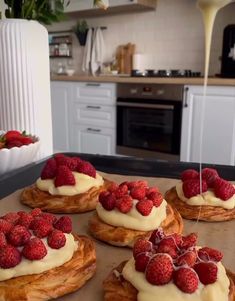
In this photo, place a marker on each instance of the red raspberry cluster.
(175, 258)
(60, 169)
(21, 235)
(210, 180)
(121, 197)
(15, 139)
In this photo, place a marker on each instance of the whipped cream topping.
(54, 258)
(133, 219)
(82, 184)
(206, 198)
(219, 290)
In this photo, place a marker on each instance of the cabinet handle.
(93, 130)
(185, 103)
(92, 85)
(93, 107)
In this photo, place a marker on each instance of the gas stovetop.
(165, 73)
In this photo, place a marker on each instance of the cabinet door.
(61, 94)
(93, 140)
(218, 143)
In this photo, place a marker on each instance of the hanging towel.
(87, 52)
(98, 50)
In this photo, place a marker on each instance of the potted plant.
(81, 29)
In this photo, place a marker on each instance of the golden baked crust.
(119, 236)
(55, 282)
(83, 202)
(207, 213)
(116, 288)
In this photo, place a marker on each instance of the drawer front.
(95, 114)
(95, 93)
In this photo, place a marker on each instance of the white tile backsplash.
(170, 37)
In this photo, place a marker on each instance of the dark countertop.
(111, 164)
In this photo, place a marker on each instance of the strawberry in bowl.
(17, 149)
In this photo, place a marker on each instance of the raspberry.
(64, 177)
(50, 218)
(124, 204)
(156, 198)
(34, 249)
(188, 258)
(186, 280)
(189, 241)
(87, 168)
(192, 188)
(138, 193)
(121, 191)
(141, 261)
(64, 224)
(144, 207)
(151, 190)
(11, 217)
(41, 227)
(223, 189)
(142, 246)
(209, 175)
(71, 163)
(157, 236)
(209, 254)
(36, 212)
(207, 272)
(49, 170)
(159, 270)
(25, 219)
(168, 250)
(5, 226)
(3, 241)
(107, 200)
(56, 239)
(19, 236)
(189, 174)
(9, 257)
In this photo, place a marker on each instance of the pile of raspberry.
(21, 235)
(175, 258)
(210, 180)
(60, 169)
(121, 197)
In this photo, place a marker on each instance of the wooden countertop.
(213, 81)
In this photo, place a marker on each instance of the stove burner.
(165, 73)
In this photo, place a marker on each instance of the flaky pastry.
(116, 288)
(83, 202)
(55, 282)
(204, 213)
(120, 236)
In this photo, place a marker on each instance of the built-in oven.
(149, 120)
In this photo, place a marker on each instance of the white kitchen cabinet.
(94, 118)
(61, 96)
(218, 129)
(93, 140)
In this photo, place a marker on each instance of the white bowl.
(17, 157)
(70, 72)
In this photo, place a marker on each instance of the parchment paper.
(218, 235)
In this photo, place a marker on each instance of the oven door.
(152, 125)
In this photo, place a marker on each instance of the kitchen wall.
(170, 37)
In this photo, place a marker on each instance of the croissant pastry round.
(204, 213)
(116, 288)
(83, 202)
(56, 282)
(120, 236)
